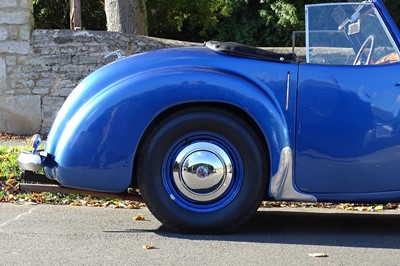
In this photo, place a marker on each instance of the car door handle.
(397, 84)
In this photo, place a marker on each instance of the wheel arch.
(220, 106)
(249, 99)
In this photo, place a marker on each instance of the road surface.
(65, 235)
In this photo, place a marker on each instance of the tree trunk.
(128, 16)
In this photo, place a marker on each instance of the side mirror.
(353, 28)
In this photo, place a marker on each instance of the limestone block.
(20, 114)
(13, 32)
(41, 91)
(8, 92)
(22, 85)
(66, 91)
(26, 4)
(25, 32)
(50, 113)
(18, 47)
(46, 125)
(8, 3)
(11, 60)
(48, 75)
(53, 101)
(21, 76)
(85, 59)
(68, 83)
(16, 17)
(3, 34)
(3, 70)
(45, 83)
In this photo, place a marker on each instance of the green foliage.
(394, 8)
(286, 13)
(54, 14)
(184, 19)
(51, 14)
(253, 22)
(260, 22)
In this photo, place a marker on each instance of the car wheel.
(202, 170)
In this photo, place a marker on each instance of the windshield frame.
(353, 40)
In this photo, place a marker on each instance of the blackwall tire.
(202, 170)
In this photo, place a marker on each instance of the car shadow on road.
(307, 228)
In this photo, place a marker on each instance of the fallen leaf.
(132, 206)
(11, 182)
(75, 203)
(361, 208)
(318, 255)
(139, 218)
(149, 247)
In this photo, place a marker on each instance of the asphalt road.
(64, 235)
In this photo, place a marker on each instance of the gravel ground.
(7, 140)
(8, 143)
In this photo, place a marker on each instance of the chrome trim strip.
(281, 185)
(307, 36)
(287, 90)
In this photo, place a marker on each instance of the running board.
(37, 178)
(59, 189)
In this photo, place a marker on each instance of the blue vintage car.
(207, 133)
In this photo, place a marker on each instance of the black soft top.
(237, 49)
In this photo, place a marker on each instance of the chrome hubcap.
(202, 172)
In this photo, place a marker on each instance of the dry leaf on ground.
(318, 255)
(149, 247)
(139, 218)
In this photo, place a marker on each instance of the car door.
(348, 129)
(348, 105)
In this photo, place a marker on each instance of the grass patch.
(8, 162)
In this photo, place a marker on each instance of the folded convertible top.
(237, 49)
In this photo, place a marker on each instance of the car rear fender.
(96, 149)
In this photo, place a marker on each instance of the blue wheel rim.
(180, 183)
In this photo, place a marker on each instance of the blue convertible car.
(206, 133)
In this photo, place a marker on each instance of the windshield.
(347, 34)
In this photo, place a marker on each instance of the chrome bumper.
(31, 161)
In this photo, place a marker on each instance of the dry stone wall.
(59, 59)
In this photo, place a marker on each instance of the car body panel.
(95, 137)
(348, 134)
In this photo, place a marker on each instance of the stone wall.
(39, 68)
(17, 114)
(59, 59)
